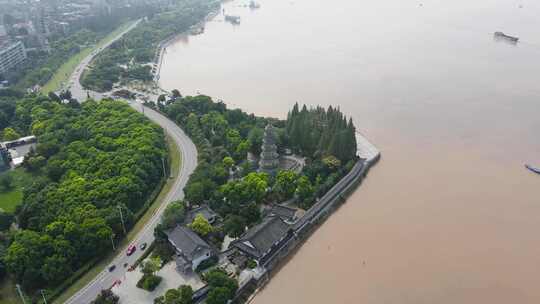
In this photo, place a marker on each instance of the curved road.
(74, 84)
(106, 279)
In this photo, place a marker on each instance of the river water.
(449, 215)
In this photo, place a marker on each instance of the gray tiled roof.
(284, 212)
(206, 212)
(259, 240)
(186, 241)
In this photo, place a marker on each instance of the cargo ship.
(501, 35)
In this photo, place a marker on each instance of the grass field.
(10, 199)
(65, 71)
(175, 158)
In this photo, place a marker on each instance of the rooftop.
(284, 212)
(205, 211)
(259, 240)
(186, 241)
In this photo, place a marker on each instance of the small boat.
(232, 19)
(533, 169)
(502, 35)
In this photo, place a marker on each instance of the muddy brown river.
(449, 215)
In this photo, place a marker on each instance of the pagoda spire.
(269, 161)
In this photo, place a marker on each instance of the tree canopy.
(201, 225)
(319, 132)
(90, 160)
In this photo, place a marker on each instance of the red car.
(131, 249)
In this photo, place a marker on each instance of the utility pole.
(43, 295)
(163, 164)
(112, 242)
(122, 219)
(19, 291)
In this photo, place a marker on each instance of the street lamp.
(122, 219)
(112, 242)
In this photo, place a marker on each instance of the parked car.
(143, 246)
(112, 268)
(131, 249)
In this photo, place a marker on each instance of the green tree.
(10, 134)
(186, 294)
(285, 184)
(5, 222)
(304, 189)
(151, 266)
(234, 226)
(195, 192)
(222, 287)
(331, 162)
(176, 94)
(182, 295)
(106, 296)
(200, 225)
(255, 137)
(228, 162)
(161, 98)
(174, 214)
(6, 182)
(218, 295)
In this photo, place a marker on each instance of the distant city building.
(269, 161)
(4, 38)
(11, 55)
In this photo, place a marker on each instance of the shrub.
(149, 282)
(213, 260)
(251, 264)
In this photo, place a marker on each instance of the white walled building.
(11, 55)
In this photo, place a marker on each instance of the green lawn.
(63, 73)
(10, 199)
(175, 159)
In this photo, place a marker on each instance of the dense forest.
(91, 160)
(128, 57)
(319, 132)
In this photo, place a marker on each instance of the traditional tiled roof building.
(262, 241)
(191, 250)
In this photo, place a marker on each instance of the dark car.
(143, 246)
(112, 268)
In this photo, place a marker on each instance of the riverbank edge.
(162, 46)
